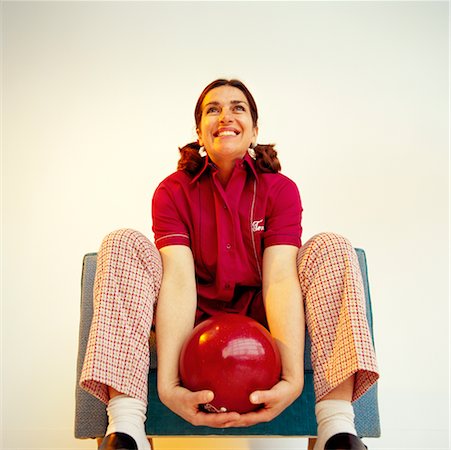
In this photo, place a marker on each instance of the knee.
(332, 243)
(126, 238)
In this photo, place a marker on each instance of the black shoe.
(345, 441)
(118, 441)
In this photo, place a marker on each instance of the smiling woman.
(229, 190)
(97, 97)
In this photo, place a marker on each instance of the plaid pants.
(126, 288)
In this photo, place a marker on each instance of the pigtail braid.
(266, 158)
(190, 159)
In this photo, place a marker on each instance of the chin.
(231, 152)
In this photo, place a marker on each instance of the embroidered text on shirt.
(256, 226)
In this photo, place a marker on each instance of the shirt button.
(228, 246)
(225, 206)
(227, 285)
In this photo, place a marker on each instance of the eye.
(212, 109)
(240, 108)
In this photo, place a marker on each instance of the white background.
(98, 96)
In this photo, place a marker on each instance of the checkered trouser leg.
(333, 293)
(126, 288)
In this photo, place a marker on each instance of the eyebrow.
(233, 102)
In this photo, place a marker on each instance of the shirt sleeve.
(167, 224)
(283, 222)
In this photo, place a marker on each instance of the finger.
(201, 397)
(259, 397)
(254, 418)
(218, 420)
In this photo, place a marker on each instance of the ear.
(254, 137)
(199, 138)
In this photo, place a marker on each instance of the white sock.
(333, 417)
(127, 415)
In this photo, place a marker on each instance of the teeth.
(226, 133)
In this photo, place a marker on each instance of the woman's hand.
(274, 401)
(186, 403)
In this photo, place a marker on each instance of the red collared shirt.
(227, 230)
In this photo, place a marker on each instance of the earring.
(251, 151)
(202, 151)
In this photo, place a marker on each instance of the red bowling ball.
(233, 356)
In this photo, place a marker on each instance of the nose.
(225, 116)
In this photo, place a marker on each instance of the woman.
(227, 226)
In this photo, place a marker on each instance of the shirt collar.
(208, 163)
(251, 163)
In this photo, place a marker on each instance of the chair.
(298, 420)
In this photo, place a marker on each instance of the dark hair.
(265, 155)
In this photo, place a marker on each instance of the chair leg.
(311, 443)
(99, 441)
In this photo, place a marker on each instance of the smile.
(225, 132)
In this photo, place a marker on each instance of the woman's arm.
(176, 311)
(285, 309)
(285, 314)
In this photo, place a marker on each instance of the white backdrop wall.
(97, 96)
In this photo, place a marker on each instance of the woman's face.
(226, 129)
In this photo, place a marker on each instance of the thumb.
(203, 396)
(258, 397)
